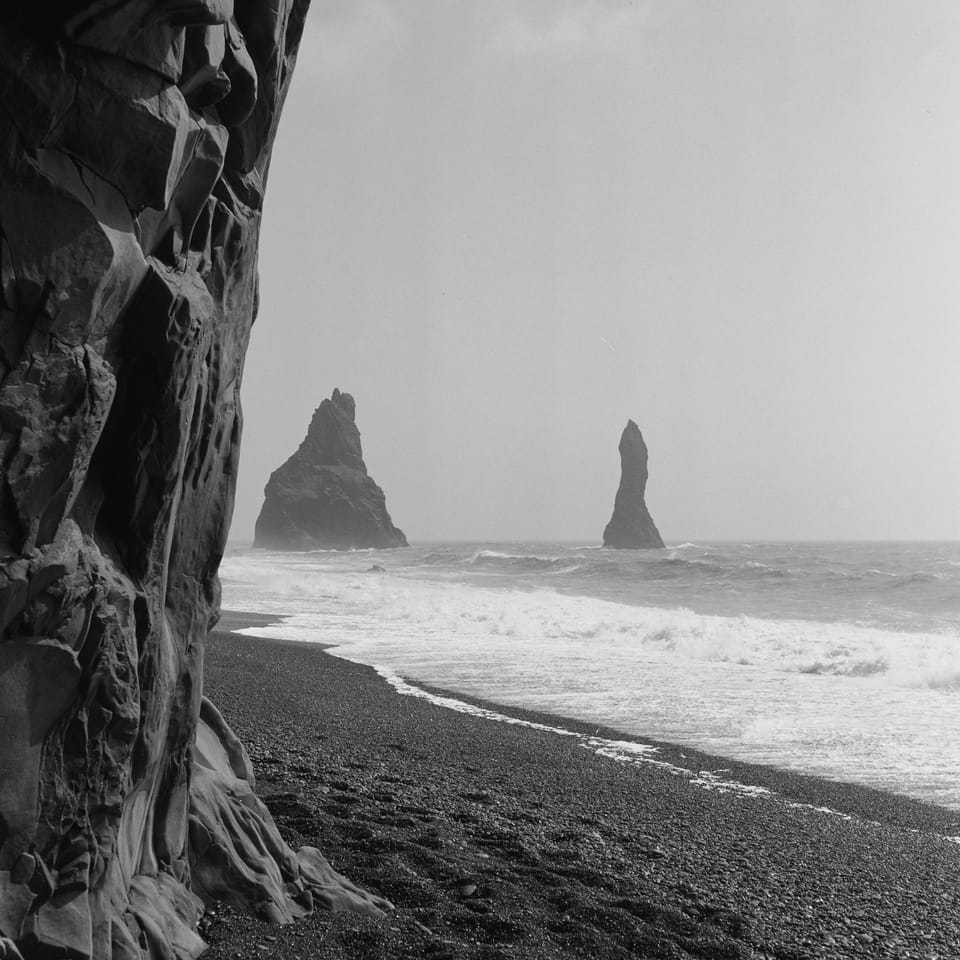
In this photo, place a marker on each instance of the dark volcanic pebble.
(497, 841)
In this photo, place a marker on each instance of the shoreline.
(497, 841)
(841, 796)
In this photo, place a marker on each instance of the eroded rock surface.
(631, 525)
(134, 142)
(323, 496)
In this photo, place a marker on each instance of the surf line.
(621, 751)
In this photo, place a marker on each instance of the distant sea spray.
(850, 680)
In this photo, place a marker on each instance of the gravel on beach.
(498, 841)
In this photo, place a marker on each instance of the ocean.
(840, 660)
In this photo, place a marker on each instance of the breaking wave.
(840, 660)
(407, 611)
(513, 561)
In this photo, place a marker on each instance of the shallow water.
(841, 660)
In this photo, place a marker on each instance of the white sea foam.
(620, 751)
(836, 699)
(414, 610)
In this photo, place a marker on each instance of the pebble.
(834, 893)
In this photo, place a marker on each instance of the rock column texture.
(134, 142)
(631, 525)
(323, 497)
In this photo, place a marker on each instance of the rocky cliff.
(134, 142)
(631, 525)
(323, 496)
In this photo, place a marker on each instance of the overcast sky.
(508, 227)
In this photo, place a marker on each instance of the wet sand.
(501, 841)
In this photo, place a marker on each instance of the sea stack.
(631, 525)
(323, 497)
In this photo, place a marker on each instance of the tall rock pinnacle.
(631, 525)
(323, 496)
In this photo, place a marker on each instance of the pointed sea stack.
(631, 525)
(323, 497)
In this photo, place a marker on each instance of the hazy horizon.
(508, 228)
(237, 542)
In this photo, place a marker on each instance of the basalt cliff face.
(323, 496)
(134, 142)
(631, 525)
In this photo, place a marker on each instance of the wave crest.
(342, 606)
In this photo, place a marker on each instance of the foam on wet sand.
(540, 837)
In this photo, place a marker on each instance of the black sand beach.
(497, 841)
